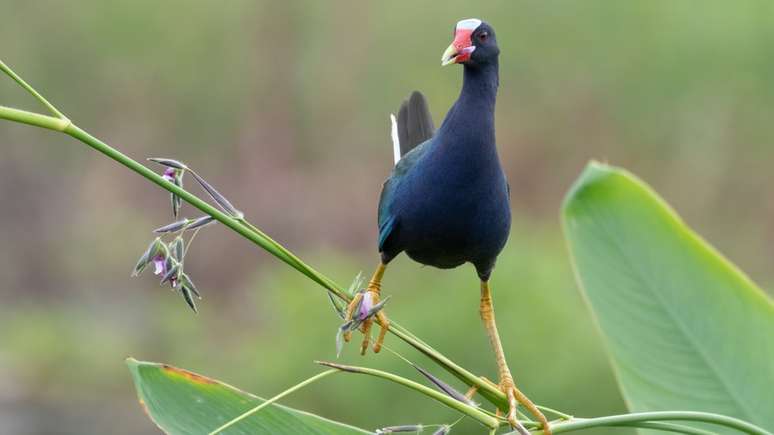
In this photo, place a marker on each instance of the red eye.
(483, 36)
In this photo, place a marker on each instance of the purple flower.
(366, 304)
(160, 264)
(170, 174)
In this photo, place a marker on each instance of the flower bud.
(169, 163)
(177, 248)
(404, 428)
(160, 264)
(187, 295)
(171, 275)
(169, 174)
(444, 387)
(221, 200)
(200, 222)
(188, 283)
(173, 227)
(146, 257)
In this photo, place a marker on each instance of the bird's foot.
(516, 397)
(365, 308)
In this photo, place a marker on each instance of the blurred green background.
(284, 106)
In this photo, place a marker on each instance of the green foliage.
(182, 402)
(686, 329)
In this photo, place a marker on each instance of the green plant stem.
(34, 119)
(455, 404)
(639, 418)
(274, 399)
(559, 414)
(6, 69)
(670, 427)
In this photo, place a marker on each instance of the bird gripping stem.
(375, 284)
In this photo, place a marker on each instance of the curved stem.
(635, 419)
(669, 427)
(455, 404)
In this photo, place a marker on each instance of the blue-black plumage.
(446, 202)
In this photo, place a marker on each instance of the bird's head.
(474, 44)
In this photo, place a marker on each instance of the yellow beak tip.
(448, 56)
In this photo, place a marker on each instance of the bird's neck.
(471, 120)
(479, 88)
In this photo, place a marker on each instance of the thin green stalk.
(670, 427)
(274, 399)
(455, 404)
(34, 119)
(636, 419)
(6, 69)
(559, 414)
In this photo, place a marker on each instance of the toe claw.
(514, 398)
(366, 336)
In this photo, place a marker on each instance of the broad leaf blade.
(182, 402)
(686, 329)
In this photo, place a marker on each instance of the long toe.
(516, 397)
(510, 393)
(384, 326)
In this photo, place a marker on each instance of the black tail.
(415, 124)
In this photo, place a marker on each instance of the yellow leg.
(506, 379)
(374, 287)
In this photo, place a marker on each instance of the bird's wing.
(411, 133)
(413, 126)
(386, 219)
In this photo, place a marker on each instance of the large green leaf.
(182, 402)
(686, 329)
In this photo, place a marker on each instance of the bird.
(447, 200)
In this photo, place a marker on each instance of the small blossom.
(366, 304)
(171, 275)
(160, 264)
(170, 174)
(154, 247)
(173, 173)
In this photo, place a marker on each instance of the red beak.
(460, 49)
